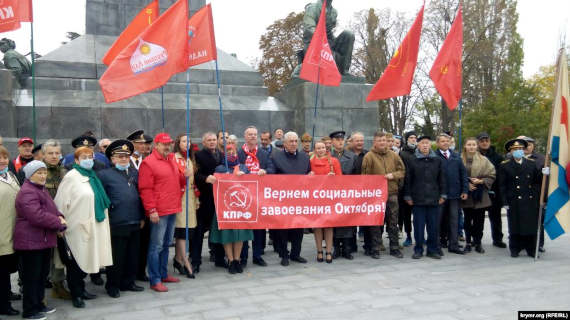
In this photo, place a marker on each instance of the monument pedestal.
(338, 108)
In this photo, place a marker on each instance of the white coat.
(89, 240)
(8, 192)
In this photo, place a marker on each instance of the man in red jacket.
(161, 186)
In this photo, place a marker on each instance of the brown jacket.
(375, 162)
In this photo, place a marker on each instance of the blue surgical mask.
(4, 171)
(518, 154)
(122, 168)
(86, 164)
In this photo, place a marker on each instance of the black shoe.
(143, 278)
(443, 245)
(467, 248)
(78, 302)
(14, 296)
(500, 244)
(178, 267)
(9, 312)
(514, 254)
(243, 263)
(97, 280)
(88, 296)
(457, 251)
(541, 249)
(417, 255)
(329, 257)
(232, 267)
(284, 261)
(133, 287)
(375, 255)
(47, 310)
(434, 256)
(189, 274)
(396, 253)
(196, 268)
(222, 264)
(320, 259)
(479, 248)
(37, 316)
(367, 252)
(114, 293)
(336, 252)
(48, 284)
(299, 259)
(260, 262)
(347, 255)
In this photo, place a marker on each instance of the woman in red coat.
(323, 164)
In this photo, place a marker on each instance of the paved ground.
(475, 286)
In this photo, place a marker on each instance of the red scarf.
(251, 162)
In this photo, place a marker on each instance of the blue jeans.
(426, 217)
(161, 234)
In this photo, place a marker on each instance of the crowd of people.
(115, 207)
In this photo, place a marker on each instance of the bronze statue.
(20, 66)
(341, 46)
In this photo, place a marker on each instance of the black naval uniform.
(519, 189)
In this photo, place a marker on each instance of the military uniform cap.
(120, 147)
(83, 141)
(515, 143)
(337, 134)
(148, 138)
(137, 136)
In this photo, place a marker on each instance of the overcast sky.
(239, 24)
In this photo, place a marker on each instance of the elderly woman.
(9, 188)
(83, 201)
(37, 223)
(481, 173)
(181, 261)
(323, 164)
(231, 239)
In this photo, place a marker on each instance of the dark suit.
(206, 162)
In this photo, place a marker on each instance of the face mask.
(395, 149)
(122, 168)
(411, 145)
(452, 147)
(86, 164)
(60, 157)
(4, 171)
(518, 154)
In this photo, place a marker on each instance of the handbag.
(64, 251)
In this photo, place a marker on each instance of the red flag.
(202, 38)
(319, 65)
(25, 11)
(9, 15)
(446, 70)
(142, 20)
(152, 58)
(397, 78)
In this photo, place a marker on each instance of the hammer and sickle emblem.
(444, 69)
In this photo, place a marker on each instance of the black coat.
(425, 181)
(456, 174)
(206, 163)
(265, 162)
(496, 160)
(122, 189)
(519, 191)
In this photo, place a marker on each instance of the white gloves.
(546, 171)
(506, 207)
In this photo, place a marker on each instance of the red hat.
(163, 138)
(25, 140)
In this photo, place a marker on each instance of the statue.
(341, 46)
(16, 62)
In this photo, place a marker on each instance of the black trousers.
(143, 249)
(198, 242)
(125, 241)
(474, 223)
(35, 269)
(519, 242)
(495, 219)
(75, 279)
(8, 265)
(405, 215)
(286, 235)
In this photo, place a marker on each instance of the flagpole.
(162, 107)
(316, 103)
(460, 124)
(221, 114)
(34, 131)
(187, 152)
(547, 157)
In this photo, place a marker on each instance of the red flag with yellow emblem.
(154, 56)
(9, 15)
(142, 20)
(397, 78)
(446, 70)
(202, 37)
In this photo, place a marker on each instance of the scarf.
(251, 162)
(102, 202)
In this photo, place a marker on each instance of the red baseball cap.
(163, 138)
(25, 140)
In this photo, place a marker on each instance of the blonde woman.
(481, 173)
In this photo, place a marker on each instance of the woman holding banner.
(231, 239)
(323, 164)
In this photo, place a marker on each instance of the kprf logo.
(239, 201)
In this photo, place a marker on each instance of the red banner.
(299, 201)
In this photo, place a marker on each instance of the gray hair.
(249, 127)
(232, 138)
(50, 143)
(442, 135)
(357, 133)
(207, 134)
(290, 135)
